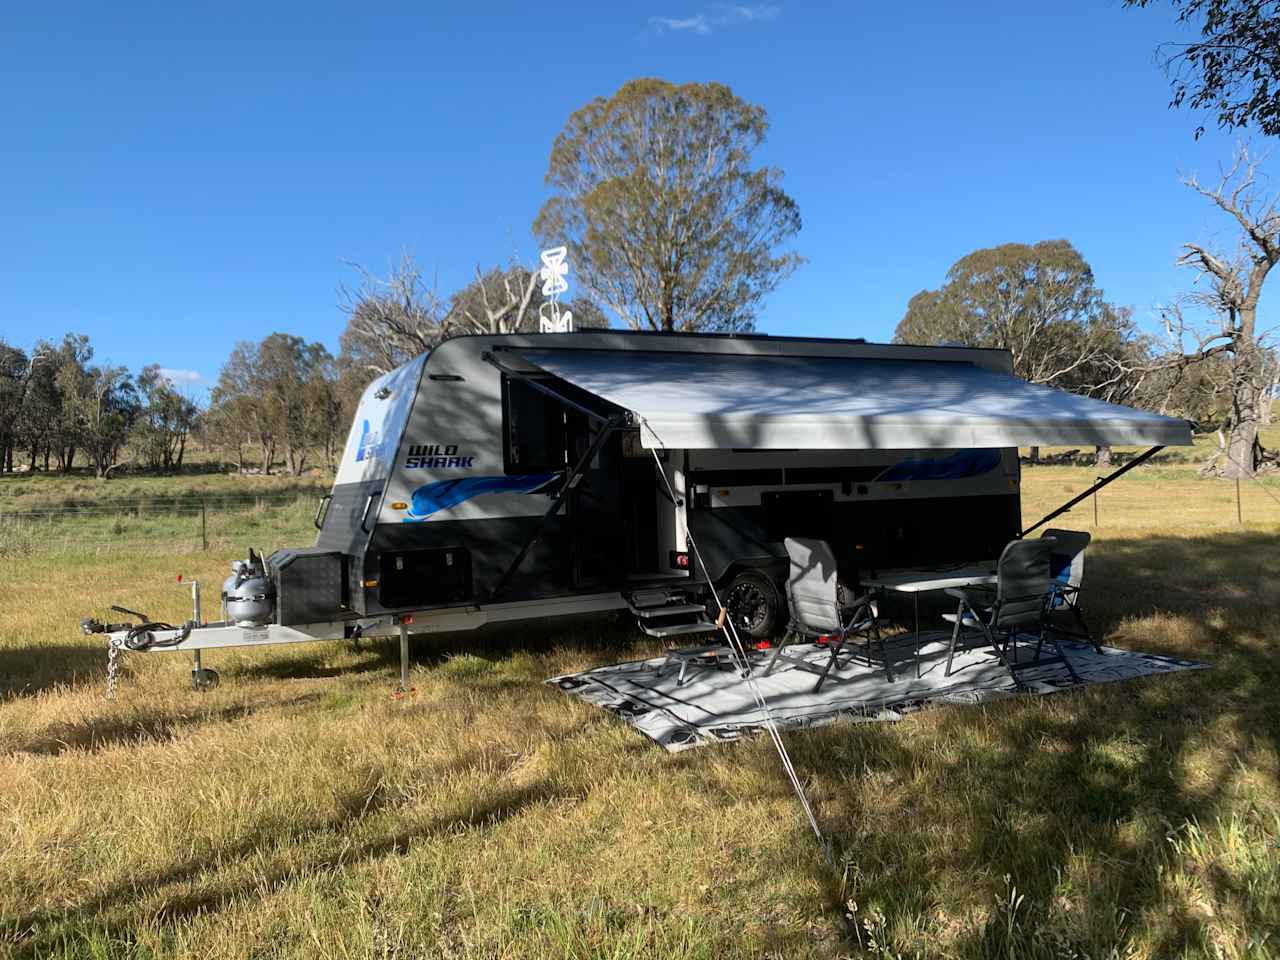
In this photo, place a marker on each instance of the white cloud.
(720, 15)
(696, 24)
(181, 378)
(760, 11)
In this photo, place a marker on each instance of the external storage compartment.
(424, 578)
(310, 585)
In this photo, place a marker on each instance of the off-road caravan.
(512, 477)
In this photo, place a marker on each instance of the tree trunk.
(1035, 455)
(46, 458)
(1102, 455)
(1239, 455)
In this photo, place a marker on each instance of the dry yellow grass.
(303, 809)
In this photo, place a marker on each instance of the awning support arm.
(540, 385)
(1116, 475)
(570, 483)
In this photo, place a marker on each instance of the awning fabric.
(723, 401)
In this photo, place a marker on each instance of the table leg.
(915, 599)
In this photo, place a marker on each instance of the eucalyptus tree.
(1233, 69)
(669, 224)
(1039, 301)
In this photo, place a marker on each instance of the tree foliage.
(101, 405)
(1234, 68)
(281, 395)
(165, 420)
(668, 224)
(1038, 301)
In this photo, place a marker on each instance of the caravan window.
(533, 429)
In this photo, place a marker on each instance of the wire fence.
(186, 521)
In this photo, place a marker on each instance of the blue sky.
(174, 179)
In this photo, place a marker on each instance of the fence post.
(204, 530)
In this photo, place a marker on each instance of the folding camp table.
(916, 581)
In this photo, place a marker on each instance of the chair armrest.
(863, 600)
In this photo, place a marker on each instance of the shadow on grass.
(602, 633)
(1074, 796)
(26, 671)
(115, 913)
(101, 733)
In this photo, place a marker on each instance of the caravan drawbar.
(525, 476)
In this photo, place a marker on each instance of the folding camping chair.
(1018, 605)
(1066, 571)
(820, 610)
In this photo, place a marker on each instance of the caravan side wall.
(446, 512)
(881, 508)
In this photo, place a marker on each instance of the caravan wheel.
(754, 604)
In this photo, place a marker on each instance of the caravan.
(525, 476)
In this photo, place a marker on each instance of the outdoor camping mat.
(715, 704)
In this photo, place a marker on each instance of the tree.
(1234, 287)
(280, 394)
(165, 420)
(395, 318)
(1234, 68)
(40, 418)
(391, 319)
(102, 404)
(667, 223)
(71, 362)
(1038, 301)
(235, 403)
(15, 371)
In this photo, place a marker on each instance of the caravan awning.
(722, 401)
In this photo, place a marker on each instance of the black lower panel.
(424, 576)
(489, 545)
(866, 534)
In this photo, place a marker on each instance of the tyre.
(754, 603)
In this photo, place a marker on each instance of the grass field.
(304, 808)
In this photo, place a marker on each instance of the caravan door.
(597, 532)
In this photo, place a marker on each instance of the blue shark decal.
(363, 446)
(961, 464)
(444, 494)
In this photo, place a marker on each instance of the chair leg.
(1062, 655)
(777, 653)
(831, 660)
(884, 651)
(955, 636)
(1078, 614)
(995, 645)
